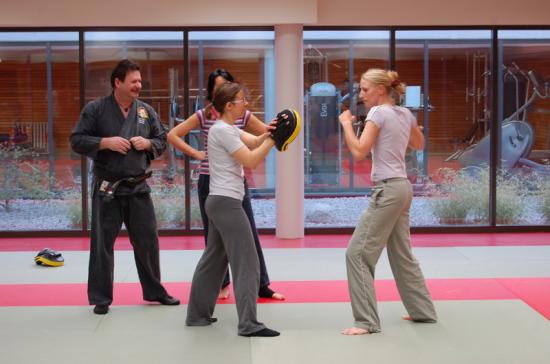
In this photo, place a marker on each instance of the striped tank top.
(206, 124)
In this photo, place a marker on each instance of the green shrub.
(169, 201)
(21, 177)
(511, 192)
(464, 194)
(542, 191)
(454, 196)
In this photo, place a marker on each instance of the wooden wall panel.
(23, 97)
(23, 92)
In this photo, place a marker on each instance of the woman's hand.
(262, 138)
(200, 155)
(272, 125)
(346, 118)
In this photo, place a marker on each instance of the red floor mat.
(533, 291)
(271, 241)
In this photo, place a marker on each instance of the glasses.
(243, 100)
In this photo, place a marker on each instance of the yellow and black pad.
(287, 128)
(49, 257)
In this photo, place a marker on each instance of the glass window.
(449, 84)
(523, 191)
(40, 184)
(160, 57)
(248, 57)
(448, 89)
(335, 184)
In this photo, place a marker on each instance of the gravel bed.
(35, 215)
(319, 212)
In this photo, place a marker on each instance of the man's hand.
(116, 144)
(140, 143)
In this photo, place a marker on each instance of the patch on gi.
(103, 186)
(142, 115)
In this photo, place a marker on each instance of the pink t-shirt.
(206, 124)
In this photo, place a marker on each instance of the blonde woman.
(388, 132)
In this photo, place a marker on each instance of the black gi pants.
(138, 214)
(203, 191)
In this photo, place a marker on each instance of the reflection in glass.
(450, 70)
(160, 56)
(39, 102)
(248, 57)
(335, 184)
(523, 195)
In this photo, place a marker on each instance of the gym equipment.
(49, 257)
(517, 137)
(323, 141)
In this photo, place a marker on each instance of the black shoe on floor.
(167, 301)
(265, 332)
(101, 309)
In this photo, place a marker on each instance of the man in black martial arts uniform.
(122, 135)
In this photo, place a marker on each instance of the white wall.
(55, 13)
(434, 12)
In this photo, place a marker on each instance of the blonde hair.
(387, 78)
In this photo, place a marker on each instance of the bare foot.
(355, 331)
(224, 293)
(278, 296)
(266, 292)
(407, 318)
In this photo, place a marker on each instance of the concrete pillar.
(289, 188)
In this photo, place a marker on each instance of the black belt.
(109, 188)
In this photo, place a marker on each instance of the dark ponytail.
(210, 88)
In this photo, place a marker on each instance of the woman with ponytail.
(388, 132)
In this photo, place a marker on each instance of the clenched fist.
(116, 144)
(140, 143)
(346, 118)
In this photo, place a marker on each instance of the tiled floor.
(491, 298)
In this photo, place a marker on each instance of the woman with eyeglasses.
(230, 236)
(388, 131)
(203, 120)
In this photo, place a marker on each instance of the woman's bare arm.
(176, 135)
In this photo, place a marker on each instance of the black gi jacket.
(102, 118)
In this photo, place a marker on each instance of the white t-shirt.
(226, 173)
(388, 152)
(207, 123)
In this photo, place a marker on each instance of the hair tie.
(395, 83)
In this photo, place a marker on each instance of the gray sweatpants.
(229, 239)
(386, 223)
